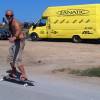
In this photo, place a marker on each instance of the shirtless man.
(17, 41)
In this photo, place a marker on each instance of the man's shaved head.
(9, 15)
(9, 12)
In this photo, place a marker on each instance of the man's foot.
(12, 75)
(23, 77)
(9, 71)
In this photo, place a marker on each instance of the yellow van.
(75, 22)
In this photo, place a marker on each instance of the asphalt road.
(47, 88)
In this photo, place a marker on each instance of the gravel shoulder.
(42, 58)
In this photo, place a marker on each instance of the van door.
(56, 27)
(41, 28)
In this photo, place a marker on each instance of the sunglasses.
(9, 16)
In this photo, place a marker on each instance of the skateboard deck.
(18, 81)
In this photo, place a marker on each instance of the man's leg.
(10, 60)
(23, 73)
(13, 67)
(19, 61)
(13, 70)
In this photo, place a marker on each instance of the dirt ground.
(43, 57)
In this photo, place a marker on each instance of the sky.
(31, 10)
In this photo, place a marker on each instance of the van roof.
(52, 10)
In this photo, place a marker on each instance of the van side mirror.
(34, 25)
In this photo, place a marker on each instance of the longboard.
(18, 81)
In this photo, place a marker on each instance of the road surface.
(46, 88)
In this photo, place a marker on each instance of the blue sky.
(31, 10)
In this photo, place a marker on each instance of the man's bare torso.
(15, 28)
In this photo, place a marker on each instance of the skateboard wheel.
(25, 85)
(1, 79)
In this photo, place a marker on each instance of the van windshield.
(41, 22)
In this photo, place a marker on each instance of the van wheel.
(76, 39)
(34, 37)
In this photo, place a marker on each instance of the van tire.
(76, 39)
(34, 37)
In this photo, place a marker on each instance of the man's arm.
(17, 30)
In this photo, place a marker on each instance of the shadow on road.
(70, 41)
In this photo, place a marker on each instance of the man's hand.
(12, 39)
